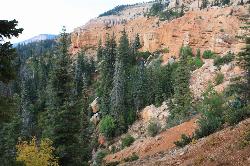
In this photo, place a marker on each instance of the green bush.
(208, 124)
(198, 63)
(218, 61)
(113, 163)
(245, 141)
(143, 55)
(153, 128)
(99, 156)
(185, 140)
(208, 54)
(131, 158)
(234, 116)
(219, 78)
(212, 109)
(155, 9)
(107, 126)
(195, 63)
(127, 141)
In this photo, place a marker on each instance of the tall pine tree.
(106, 69)
(63, 119)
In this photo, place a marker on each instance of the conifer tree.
(140, 86)
(244, 57)
(63, 118)
(7, 53)
(86, 130)
(118, 93)
(99, 51)
(137, 44)
(106, 74)
(182, 94)
(118, 107)
(81, 68)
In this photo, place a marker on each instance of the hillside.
(229, 146)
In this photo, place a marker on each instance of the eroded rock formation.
(213, 29)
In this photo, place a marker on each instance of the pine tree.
(99, 51)
(137, 44)
(140, 86)
(86, 130)
(244, 57)
(118, 96)
(80, 70)
(106, 74)
(63, 118)
(121, 76)
(7, 53)
(182, 95)
(204, 4)
(26, 111)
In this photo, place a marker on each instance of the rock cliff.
(214, 28)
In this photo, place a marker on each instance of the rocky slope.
(152, 145)
(213, 29)
(230, 146)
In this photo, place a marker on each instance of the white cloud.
(48, 16)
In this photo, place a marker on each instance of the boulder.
(94, 105)
(95, 118)
(151, 112)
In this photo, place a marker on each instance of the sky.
(48, 16)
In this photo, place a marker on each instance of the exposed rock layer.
(209, 29)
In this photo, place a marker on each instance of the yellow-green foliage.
(32, 154)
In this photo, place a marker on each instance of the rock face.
(151, 112)
(209, 29)
(202, 77)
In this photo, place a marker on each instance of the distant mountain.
(37, 38)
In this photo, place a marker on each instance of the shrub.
(187, 51)
(208, 124)
(114, 11)
(195, 63)
(107, 126)
(245, 140)
(127, 141)
(233, 116)
(153, 128)
(156, 9)
(218, 61)
(222, 30)
(113, 163)
(198, 53)
(100, 156)
(143, 55)
(185, 140)
(32, 154)
(219, 78)
(212, 108)
(131, 158)
(208, 54)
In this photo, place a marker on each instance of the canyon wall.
(214, 28)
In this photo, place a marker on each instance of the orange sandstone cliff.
(214, 28)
